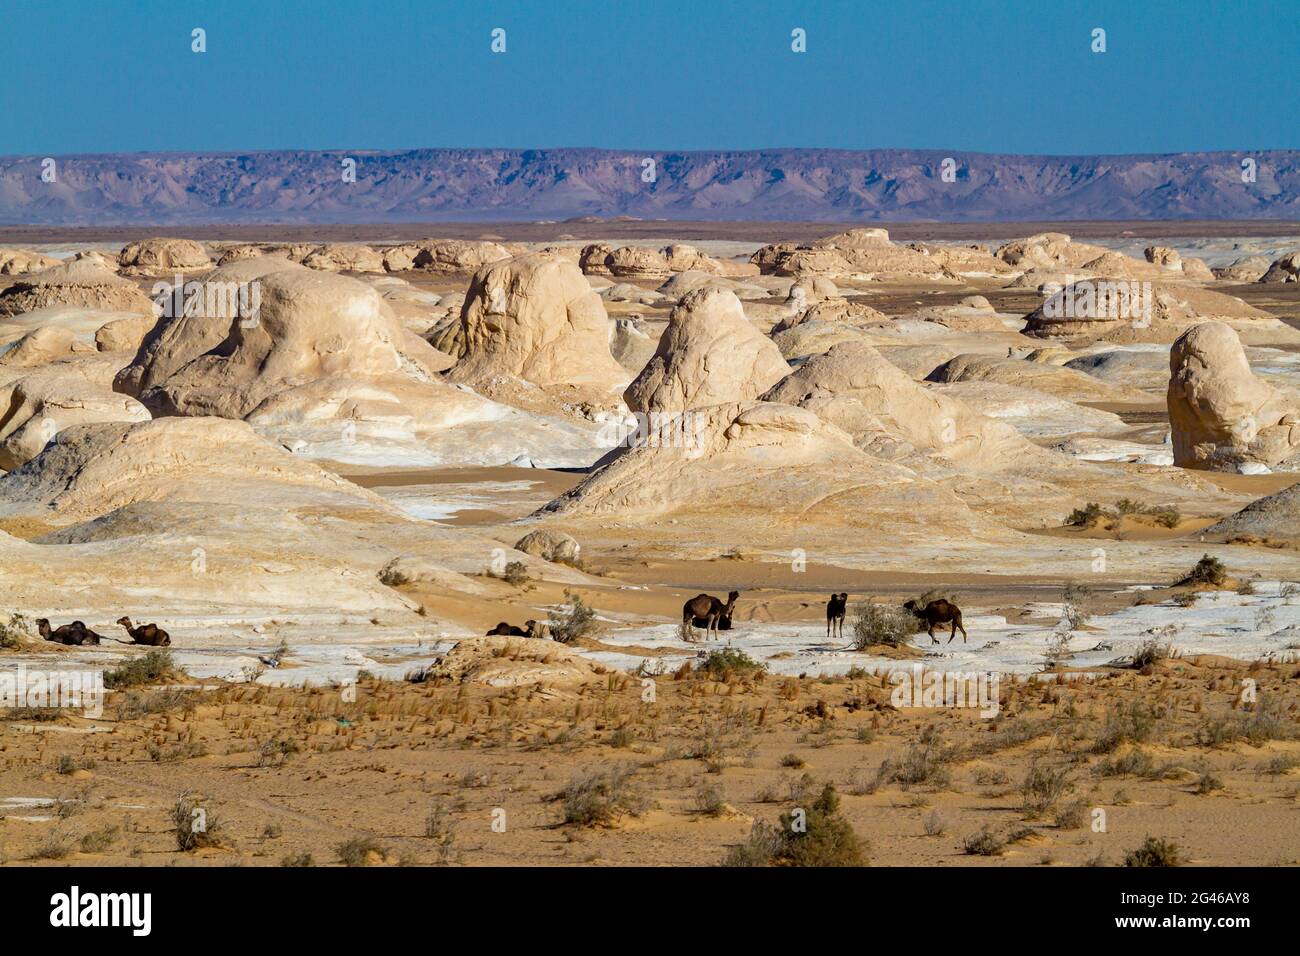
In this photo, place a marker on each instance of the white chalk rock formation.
(78, 283)
(709, 354)
(1222, 417)
(163, 257)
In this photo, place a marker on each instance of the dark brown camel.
(939, 612)
(148, 634)
(74, 634)
(710, 609)
(835, 609)
(507, 630)
(724, 622)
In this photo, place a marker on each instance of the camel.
(148, 634)
(835, 609)
(710, 609)
(724, 622)
(507, 630)
(74, 634)
(939, 612)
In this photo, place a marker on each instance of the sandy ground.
(444, 772)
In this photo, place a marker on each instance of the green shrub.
(1155, 852)
(878, 624)
(573, 620)
(720, 664)
(148, 668)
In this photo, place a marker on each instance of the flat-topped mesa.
(1221, 416)
(709, 354)
(1137, 310)
(80, 283)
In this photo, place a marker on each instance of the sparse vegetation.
(16, 632)
(148, 668)
(721, 664)
(984, 842)
(1155, 852)
(360, 851)
(817, 836)
(876, 624)
(573, 620)
(1209, 570)
(196, 826)
(597, 799)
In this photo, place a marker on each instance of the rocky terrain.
(328, 468)
(425, 185)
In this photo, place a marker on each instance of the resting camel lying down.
(74, 634)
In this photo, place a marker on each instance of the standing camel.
(835, 609)
(710, 609)
(939, 612)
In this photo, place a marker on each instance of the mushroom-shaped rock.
(1222, 417)
(1285, 269)
(709, 353)
(536, 318)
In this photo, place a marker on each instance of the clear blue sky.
(986, 75)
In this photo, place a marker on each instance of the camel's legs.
(933, 639)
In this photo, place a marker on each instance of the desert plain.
(327, 467)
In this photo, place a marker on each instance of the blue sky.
(984, 75)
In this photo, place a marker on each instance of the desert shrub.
(97, 841)
(358, 850)
(298, 859)
(762, 847)
(515, 573)
(572, 620)
(1085, 517)
(1133, 722)
(1077, 599)
(195, 826)
(984, 842)
(1149, 652)
(935, 824)
(16, 632)
(162, 701)
(148, 668)
(1155, 852)
(1043, 787)
(597, 798)
(825, 838)
(1072, 815)
(1208, 570)
(875, 624)
(1136, 763)
(818, 836)
(69, 764)
(721, 664)
(709, 800)
(923, 762)
(1208, 783)
(55, 847)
